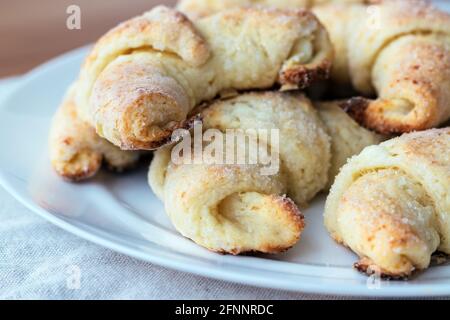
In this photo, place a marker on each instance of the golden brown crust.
(414, 91)
(304, 77)
(79, 169)
(237, 208)
(76, 151)
(366, 266)
(144, 77)
(356, 108)
(296, 216)
(164, 137)
(398, 50)
(304, 152)
(162, 28)
(296, 220)
(401, 53)
(390, 206)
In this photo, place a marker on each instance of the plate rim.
(309, 287)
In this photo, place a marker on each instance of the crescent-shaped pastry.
(144, 77)
(235, 208)
(397, 50)
(391, 203)
(347, 137)
(76, 151)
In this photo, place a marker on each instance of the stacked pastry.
(238, 208)
(240, 65)
(399, 51)
(143, 78)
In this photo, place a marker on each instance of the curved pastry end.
(368, 267)
(311, 57)
(76, 151)
(136, 107)
(275, 223)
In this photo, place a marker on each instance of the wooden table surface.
(33, 31)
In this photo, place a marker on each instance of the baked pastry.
(398, 50)
(76, 151)
(347, 137)
(144, 77)
(391, 203)
(201, 8)
(401, 53)
(235, 208)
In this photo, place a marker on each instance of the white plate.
(120, 211)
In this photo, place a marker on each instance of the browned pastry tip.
(76, 151)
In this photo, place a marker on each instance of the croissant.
(76, 151)
(201, 8)
(348, 138)
(144, 77)
(398, 50)
(391, 203)
(234, 208)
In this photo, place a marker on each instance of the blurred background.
(33, 31)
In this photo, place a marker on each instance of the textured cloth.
(41, 261)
